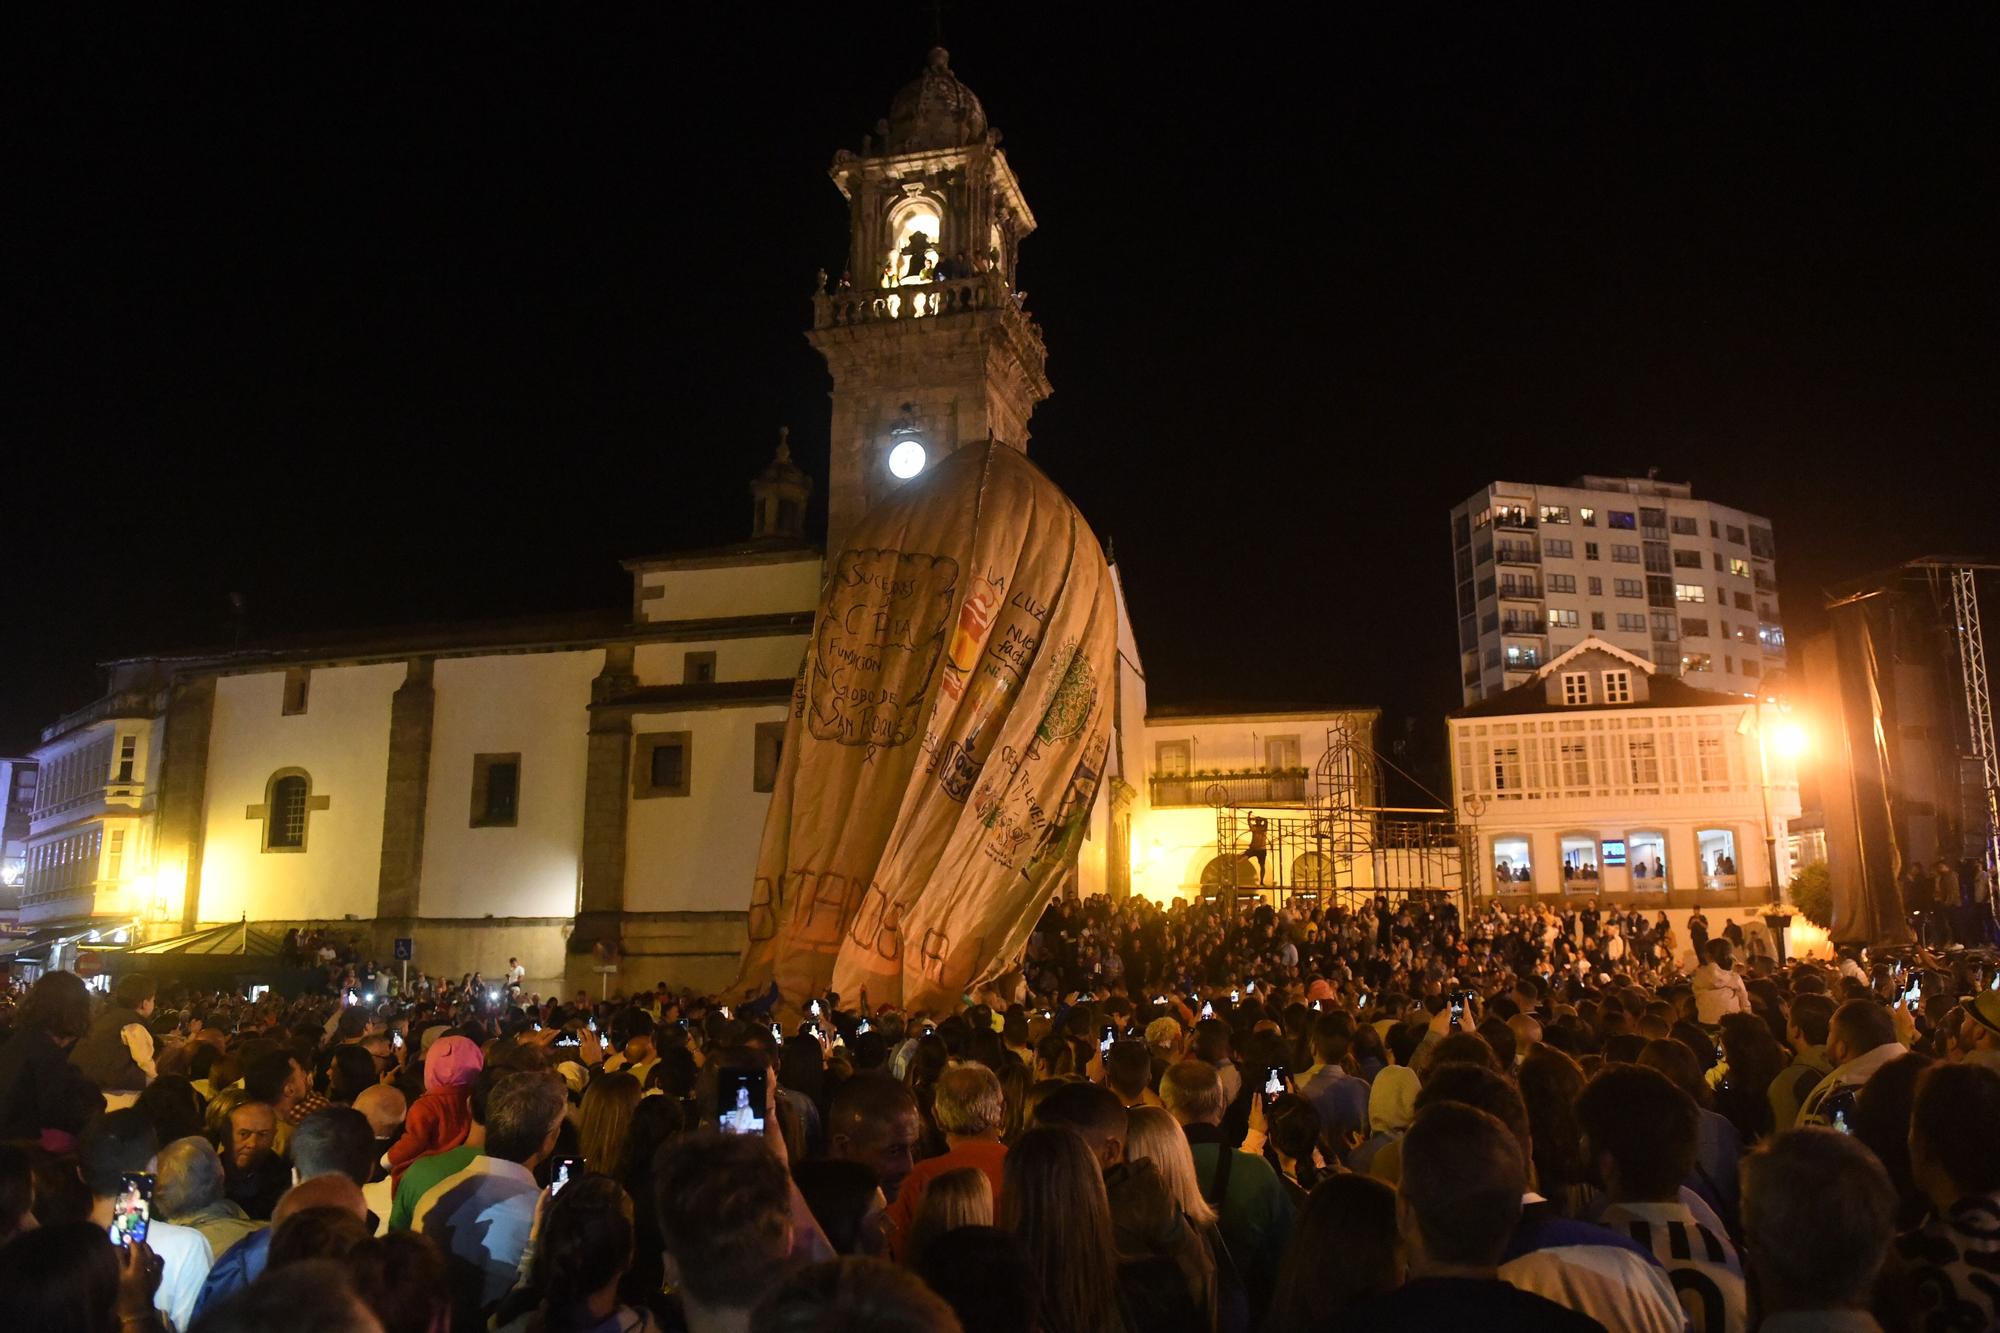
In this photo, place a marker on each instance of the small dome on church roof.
(781, 470)
(935, 110)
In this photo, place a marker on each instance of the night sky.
(397, 314)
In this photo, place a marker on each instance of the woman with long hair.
(953, 1199)
(1550, 1083)
(1152, 1135)
(582, 1250)
(1054, 1203)
(43, 1095)
(605, 1130)
(1753, 1059)
(1344, 1251)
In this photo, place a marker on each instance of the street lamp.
(1789, 739)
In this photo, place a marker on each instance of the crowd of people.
(1183, 1120)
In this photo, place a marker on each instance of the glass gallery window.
(1579, 855)
(1718, 858)
(1648, 853)
(1511, 870)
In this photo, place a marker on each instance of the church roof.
(935, 110)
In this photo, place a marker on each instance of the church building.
(590, 787)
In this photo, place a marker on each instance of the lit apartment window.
(1695, 662)
(1620, 518)
(1560, 618)
(1740, 568)
(1690, 592)
(1555, 513)
(1618, 687)
(1173, 759)
(1587, 517)
(1576, 687)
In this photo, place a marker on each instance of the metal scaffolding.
(1342, 847)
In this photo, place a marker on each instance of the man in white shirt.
(480, 1218)
(517, 975)
(121, 1142)
(1717, 988)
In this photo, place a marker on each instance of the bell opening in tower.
(914, 229)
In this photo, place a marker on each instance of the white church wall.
(342, 742)
(759, 657)
(535, 705)
(698, 852)
(698, 592)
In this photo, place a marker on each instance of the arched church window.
(915, 226)
(287, 810)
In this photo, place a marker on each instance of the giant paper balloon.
(946, 736)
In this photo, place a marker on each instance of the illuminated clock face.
(907, 459)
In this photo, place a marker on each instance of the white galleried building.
(538, 788)
(1602, 776)
(1689, 585)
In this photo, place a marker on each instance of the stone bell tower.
(926, 334)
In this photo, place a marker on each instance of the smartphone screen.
(1105, 1036)
(396, 1038)
(593, 1024)
(1207, 1009)
(813, 1008)
(132, 1210)
(565, 1169)
(1275, 1079)
(740, 1101)
(1250, 988)
(862, 1028)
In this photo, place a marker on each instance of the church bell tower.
(926, 334)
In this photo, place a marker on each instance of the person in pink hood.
(442, 1117)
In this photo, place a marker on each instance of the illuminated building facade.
(1689, 585)
(564, 788)
(1601, 776)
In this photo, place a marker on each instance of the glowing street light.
(1789, 739)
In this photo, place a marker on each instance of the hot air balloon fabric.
(947, 732)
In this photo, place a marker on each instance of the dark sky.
(400, 313)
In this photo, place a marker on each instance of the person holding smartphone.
(118, 1154)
